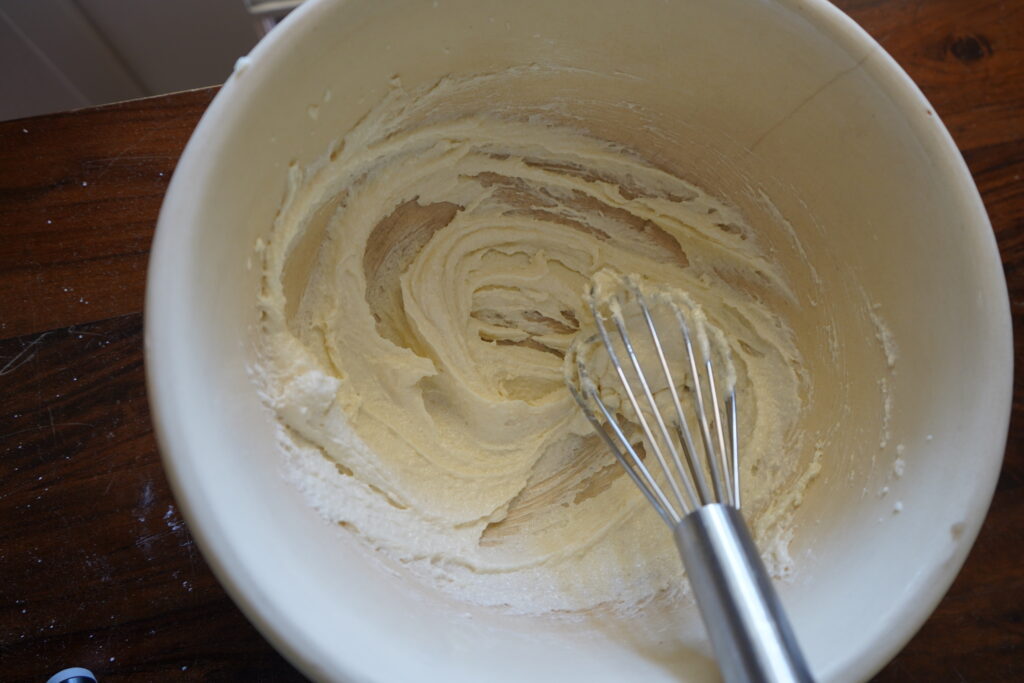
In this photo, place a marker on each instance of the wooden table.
(98, 568)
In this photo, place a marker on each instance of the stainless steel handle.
(749, 630)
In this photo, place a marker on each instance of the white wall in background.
(52, 58)
(175, 44)
(65, 54)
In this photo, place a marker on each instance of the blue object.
(75, 674)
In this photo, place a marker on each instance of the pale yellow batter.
(421, 285)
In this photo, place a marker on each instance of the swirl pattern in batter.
(421, 286)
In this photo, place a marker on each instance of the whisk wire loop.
(639, 472)
(682, 428)
(734, 448)
(640, 413)
(692, 499)
(694, 478)
(719, 464)
(699, 403)
(746, 622)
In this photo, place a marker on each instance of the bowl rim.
(246, 592)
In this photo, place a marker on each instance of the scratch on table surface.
(73, 329)
(53, 425)
(146, 540)
(26, 354)
(111, 161)
(174, 527)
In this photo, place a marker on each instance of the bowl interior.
(785, 109)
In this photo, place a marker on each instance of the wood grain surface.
(97, 567)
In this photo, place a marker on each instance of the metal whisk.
(696, 490)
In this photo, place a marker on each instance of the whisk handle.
(749, 630)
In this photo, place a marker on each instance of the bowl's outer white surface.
(812, 99)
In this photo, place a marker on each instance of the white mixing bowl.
(788, 102)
